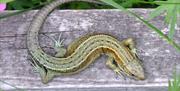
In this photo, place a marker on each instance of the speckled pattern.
(157, 56)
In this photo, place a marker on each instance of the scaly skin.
(82, 52)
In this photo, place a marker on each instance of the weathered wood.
(158, 57)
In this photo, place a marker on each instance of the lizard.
(82, 52)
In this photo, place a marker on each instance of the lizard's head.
(132, 67)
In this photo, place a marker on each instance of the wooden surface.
(157, 56)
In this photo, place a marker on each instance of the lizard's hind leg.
(49, 76)
(45, 74)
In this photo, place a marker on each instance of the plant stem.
(158, 2)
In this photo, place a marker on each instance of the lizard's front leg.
(60, 52)
(58, 46)
(113, 65)
(129, 42)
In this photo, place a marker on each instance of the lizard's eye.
(132, 75)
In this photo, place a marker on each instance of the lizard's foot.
(119, 72)
(40, 69)
(129, 42)
(49, 76)
(113, 65)
(46, 75)
(58, 46)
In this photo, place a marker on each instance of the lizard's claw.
(134, 50)
(38, 68)
(45, 74)
(59, 47)
(59, 42)
(119, 73)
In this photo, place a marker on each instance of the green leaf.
(21, 11)
(21, 4)
(5, 1)
(114, 4)
(172, 25)
(169, 85)
(165, 2)
(129, 3)
(172, 9)
(174, 85)
(157, 12)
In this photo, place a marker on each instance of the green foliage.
(172, 11)
(127, 3)
(21, 11)
(83, 5)
(25, 4)
(174, 85)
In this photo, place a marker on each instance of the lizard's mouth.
(141, 77)
(138, 76)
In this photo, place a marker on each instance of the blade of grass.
(171, 12)
(170, 41)
(174, 85)
(156, 12)
(169, 85)
(172, 25)
(165, 2)
(158, 2)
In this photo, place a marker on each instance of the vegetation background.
(25, 4)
